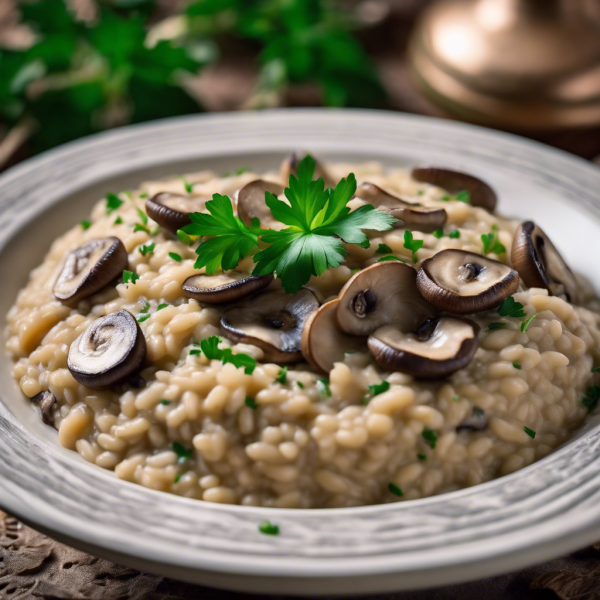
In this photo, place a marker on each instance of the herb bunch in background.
(302, 41)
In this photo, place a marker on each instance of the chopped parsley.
(383, 249)
(268, 528)
(184, 237)
(143, 317)
(147, 249)
(412, 244)
(143, 216)
(130, 277)
(323, 388)
(422, 457)
(183, 453)
(141, 227)
(112, 202)
(394, 489)
(591, 398)
(161, 306)
(375, 390)
(456, 398)
(318, 223)
(430, 437)
(300, 385)
(118, 221)
(175, 256)
(85, 224)
(210, 348)
(188, 186)
(517, 365)
(461, 196)
(250, 403)
(165, 402)
(438, 233)
(390, 257)
(491, 243)
(144, 195)
(195, 352)
(282, 376)
(177, 478)
(529, 432)
(525, 324)
(420, 192)
(454, 234)
(511, 308)
(238, 172)
(494, 326)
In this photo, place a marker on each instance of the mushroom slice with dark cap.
(45, 401)
(382, 294)
(438, 348)
(323, 344)
(89, 268)
(463, 282)
(289, 166)
(251, 203)
(410, 215)
(540, 264)
(225, 287)
(273, 321)
(481, 193)
(171, 211)
(108, 351)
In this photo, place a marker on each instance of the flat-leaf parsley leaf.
(210, 348)
(412, 244)
(511, 308)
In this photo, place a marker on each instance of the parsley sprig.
(491, 243)
(318, 223)
(210, 348)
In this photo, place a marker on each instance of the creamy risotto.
(452, 348)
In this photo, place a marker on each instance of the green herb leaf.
(130, 277)
(175, 256)
(177, 478)
(375, 390)
(300, 385)
(529, 432)
(112, 202)
(596, 370)
(491, 243)
(517, 365)
(464, 196)
(195, 352)
(494, 326)
(85, 224)
(144, 195)
(422, 457)
(183, 453)
(383, 249)
(118, 221)
(454, 234)
(268, 528)
(188, 186)
(430, 437)
(161, 306)
(143, 215)
(525, 324)
(323, 388)
(591, 398)
(184, 237)
(511, 308)
(142, 318)
(210, 348)
(147, 249)
(394, 489)
(438, 233)
(282, 376)
(250, 403)
(456, 398)
(140, 227)
(391, 257)
(165, 402)
(412, 244)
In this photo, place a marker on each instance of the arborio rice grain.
(190, 430)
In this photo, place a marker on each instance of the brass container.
(516, 64)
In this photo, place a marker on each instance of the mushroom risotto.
(358, 337)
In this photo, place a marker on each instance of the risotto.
(453, 347)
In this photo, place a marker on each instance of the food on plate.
(319, 335)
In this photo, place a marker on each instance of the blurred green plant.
(79, 78)
(301, 40)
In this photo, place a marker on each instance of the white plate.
(540, 512)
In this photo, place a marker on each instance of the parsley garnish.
(412, 244)
(195, 352)
(491, 243)
(454, 234)
(177, 478)
(210, 347)
(175, 256)
(144, 195)
(323, 388)
(85, 224)
(461, 196)
(394, 489)
(591, 398)
(184, 237)
(318, 220)
(282, 376)
(268, 528)
(141, 227)
(238, 172)
(438, 233)
(165, 402)
(141, 318)
(383, 249)
(250, 403)
(391, 257)
(529, 432)
(188, 186)
(118, 221)
(112, 202)
(130, 277)
(143, 216)
(517, 365)
(161, 306)
(511, 308)
(525, 324)
(300, 385)
(456, 398)
(494, 326)
(422, 457)
(430, 437)
(147, 249)
(376, 389)
(183, 453)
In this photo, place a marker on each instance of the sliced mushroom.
(438, 348)
(273, 321)
(476, 421)
(45, 401)
(323, 344)
(463, 282)
(410, 215)
(540, 264)
(171, 211)
(225, 287)
(251, 203)
(108, 351)
(383, 294)
(89, 268)
(455, 181)
(289, 166)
